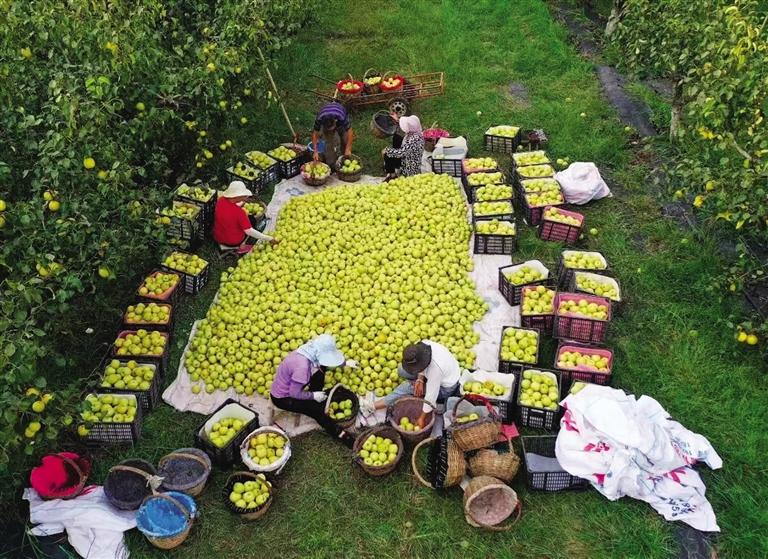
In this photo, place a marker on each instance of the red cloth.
(230, 223)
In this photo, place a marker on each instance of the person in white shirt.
(430, 371)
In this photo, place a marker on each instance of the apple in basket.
(467, 418)
(350, 166)
(251, 494)
(407, 425)
(340, 410)
(316, 170)
(266, 448)
(378, 451)
(224, 431)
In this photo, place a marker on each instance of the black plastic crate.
(451, 167)
(537, 417)
(507, 366)
(114, 434)
(565, 275)
(258, 222)
(292, 167)
(191, 283)
(489, 243)
(228, 455)
(474, 189)
(544, 323)
(170, 297)
(555, 480)
(255, 184)
(507, 216)
(515, 165)
(207, 208)
(506, 408)
(581, 328)
(147, 399)
(510, 291)
(556, 231)
(271, 175)
(183, 228)
(532, 140)
(161, 327)
(160, 360)
(502, 144)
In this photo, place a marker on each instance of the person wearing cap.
(430, 371)
(231, 226)
(332, 122)
(407, 156)
(298, 383)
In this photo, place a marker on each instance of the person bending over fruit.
(231, 226)
(332, 121)
(298, 384)
(430, 371)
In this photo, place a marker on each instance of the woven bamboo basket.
(79, 467)
(348, 177)
(452, 461)
(477, 434)
(170, 542)
(371, 73)
(380, 431)
(313, 181)
(382, 125)
(493, 463)
(190, 468)
(410, 407)
(395, 89)
(347, 94)
(339, 393)
(491, 504)
(129, 483)
(247, 514)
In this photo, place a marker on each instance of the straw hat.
(416, 358)
(236, 189)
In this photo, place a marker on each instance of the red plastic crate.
(170, 296)
(580, 328)
(582, 372)
(551, 230)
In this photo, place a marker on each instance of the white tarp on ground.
(485, 275)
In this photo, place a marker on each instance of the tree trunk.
(613, 20)
(677, 110)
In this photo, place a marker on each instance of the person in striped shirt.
(332, 122)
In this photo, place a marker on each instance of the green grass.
(325, 507)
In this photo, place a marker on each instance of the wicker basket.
(348, 177)
(394, 89)
(190, 468)
(379, 431)
(449, 464)
(382, 125)
(477, 434)
(313, 181)
(79, 467)
(371, 73)
(410, 407)
(247, 514)
(141, 476)
(489, 502)
(340, 393)
(175, 540)
(492, 462)
(348, 94)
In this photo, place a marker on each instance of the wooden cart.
(417, 86)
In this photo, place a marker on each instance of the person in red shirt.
(231, 226)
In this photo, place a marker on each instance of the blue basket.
(166, 518)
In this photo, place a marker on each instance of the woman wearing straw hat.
(231, 226)
(298, 383)
(406, 157)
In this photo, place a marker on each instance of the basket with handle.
(383, 125)
(384, 431)
(373, 87)
(242, 477)
(314, 181)
(491, 504)
(446, 466)
(476, 434)
(349, 93)
(393, 88)
(339, 393)
(410, 407)
(60, 476)
(165, 507)
(348, 177)
(129, 483)
(500, 462)
(185, 470)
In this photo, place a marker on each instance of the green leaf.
(10, 349)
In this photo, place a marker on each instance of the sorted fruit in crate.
(407, 425)
(495, 227)
(523, 275)
(266, 448)
(519, 345)
(340, 410)
(493, 192)
(492, 208)
(579, 260)
(477, 163)
(378, 451)
(589, 283)
(540, 185)
(316, 170)
(479, 179)
(467, 418)
(282, 153)
(150, 313)
(530, 158)
(185, 262)
(485, 388)
(350, 166)
(536, 171)
(539, 390)
(109, 408)
(158, 284)
(183, 211)
(575, 359)
(260, 159)
(582, 307)
(246, 171)
(142, 342)
(545, 198)
(251, 494)
(537, 300)
(130, 375)
(253, 209)
(503, 130)
(199, 193)
(554, 214)
(224, 430)
(577, 387)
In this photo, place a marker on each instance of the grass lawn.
(326, 507)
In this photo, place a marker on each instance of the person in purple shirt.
(298, 384)
(332, 122)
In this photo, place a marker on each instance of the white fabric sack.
(94, 527)
(581, 183)
(629, 447)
